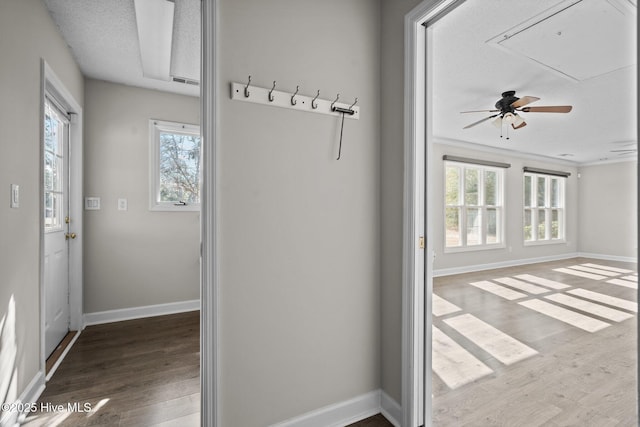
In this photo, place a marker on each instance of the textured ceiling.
(103, 37)
(470, 73)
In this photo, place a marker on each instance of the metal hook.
(271, 91)
(354, 103)
(333, 108)
(293, 101)
(313, 101)
(246, 88)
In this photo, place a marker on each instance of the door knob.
(70, 235)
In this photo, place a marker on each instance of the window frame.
(156, 127)
(463, 206)
(547, 208)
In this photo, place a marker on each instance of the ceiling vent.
(185, 80)
(577, 39)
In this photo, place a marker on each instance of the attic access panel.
(578, 39)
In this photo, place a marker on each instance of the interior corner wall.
(608, 207)
(135, 257)
(299, 277)
(392, 189)
(27, 34)
(515, 251)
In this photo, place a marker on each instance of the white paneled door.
(56, 225)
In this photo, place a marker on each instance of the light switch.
(92, 203)
(122, 204)
(15, 196)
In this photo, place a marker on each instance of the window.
(55, 134)
(473, 206)
(544, 199)
(174, 166)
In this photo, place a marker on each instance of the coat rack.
(293, 100)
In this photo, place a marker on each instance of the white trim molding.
(209, 89)
(344, 413)
(390, 409)
(509, 263)
(119, 315)
(417, 263)
(608, 257)
(30, 395)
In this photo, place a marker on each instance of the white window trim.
(500, 207)
(155, 127)
(562, 210)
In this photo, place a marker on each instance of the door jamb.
(417, 268)
(50, 81)
(209, 320)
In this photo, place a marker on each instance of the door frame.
(417, 265)
(209, 313)
(52, 84)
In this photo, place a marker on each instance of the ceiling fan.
(509, 105)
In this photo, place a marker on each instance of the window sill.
(545, 242)
(474, 248)
(170, 207)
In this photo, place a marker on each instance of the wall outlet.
(15, 196)
(122, 204)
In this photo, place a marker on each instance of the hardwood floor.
(575, 368)
(142, 372)
(551, 344)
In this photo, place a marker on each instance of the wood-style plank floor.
(143, 372)
(541, 355)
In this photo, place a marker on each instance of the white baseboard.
(391, 409)
(139, 312)
(608, 257)
(30, 395)
(501, 264)
(339, 414)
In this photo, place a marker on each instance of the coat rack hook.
(271, 91)
(354, 103)
(246, 88)
(314, 105)
(293, 101)
(333, 104)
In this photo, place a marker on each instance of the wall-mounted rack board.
(261, 95)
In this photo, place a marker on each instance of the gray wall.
(27, 34)
(609, 210)
(392, 172)
(515, 250)
(135, 257)
(299, 242)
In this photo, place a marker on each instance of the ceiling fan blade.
(479, 111)
(550, 109)
(480, 121)
(524, 101)
(521, 125)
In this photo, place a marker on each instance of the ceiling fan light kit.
(507, 109)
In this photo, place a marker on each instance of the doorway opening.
(61, 218)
